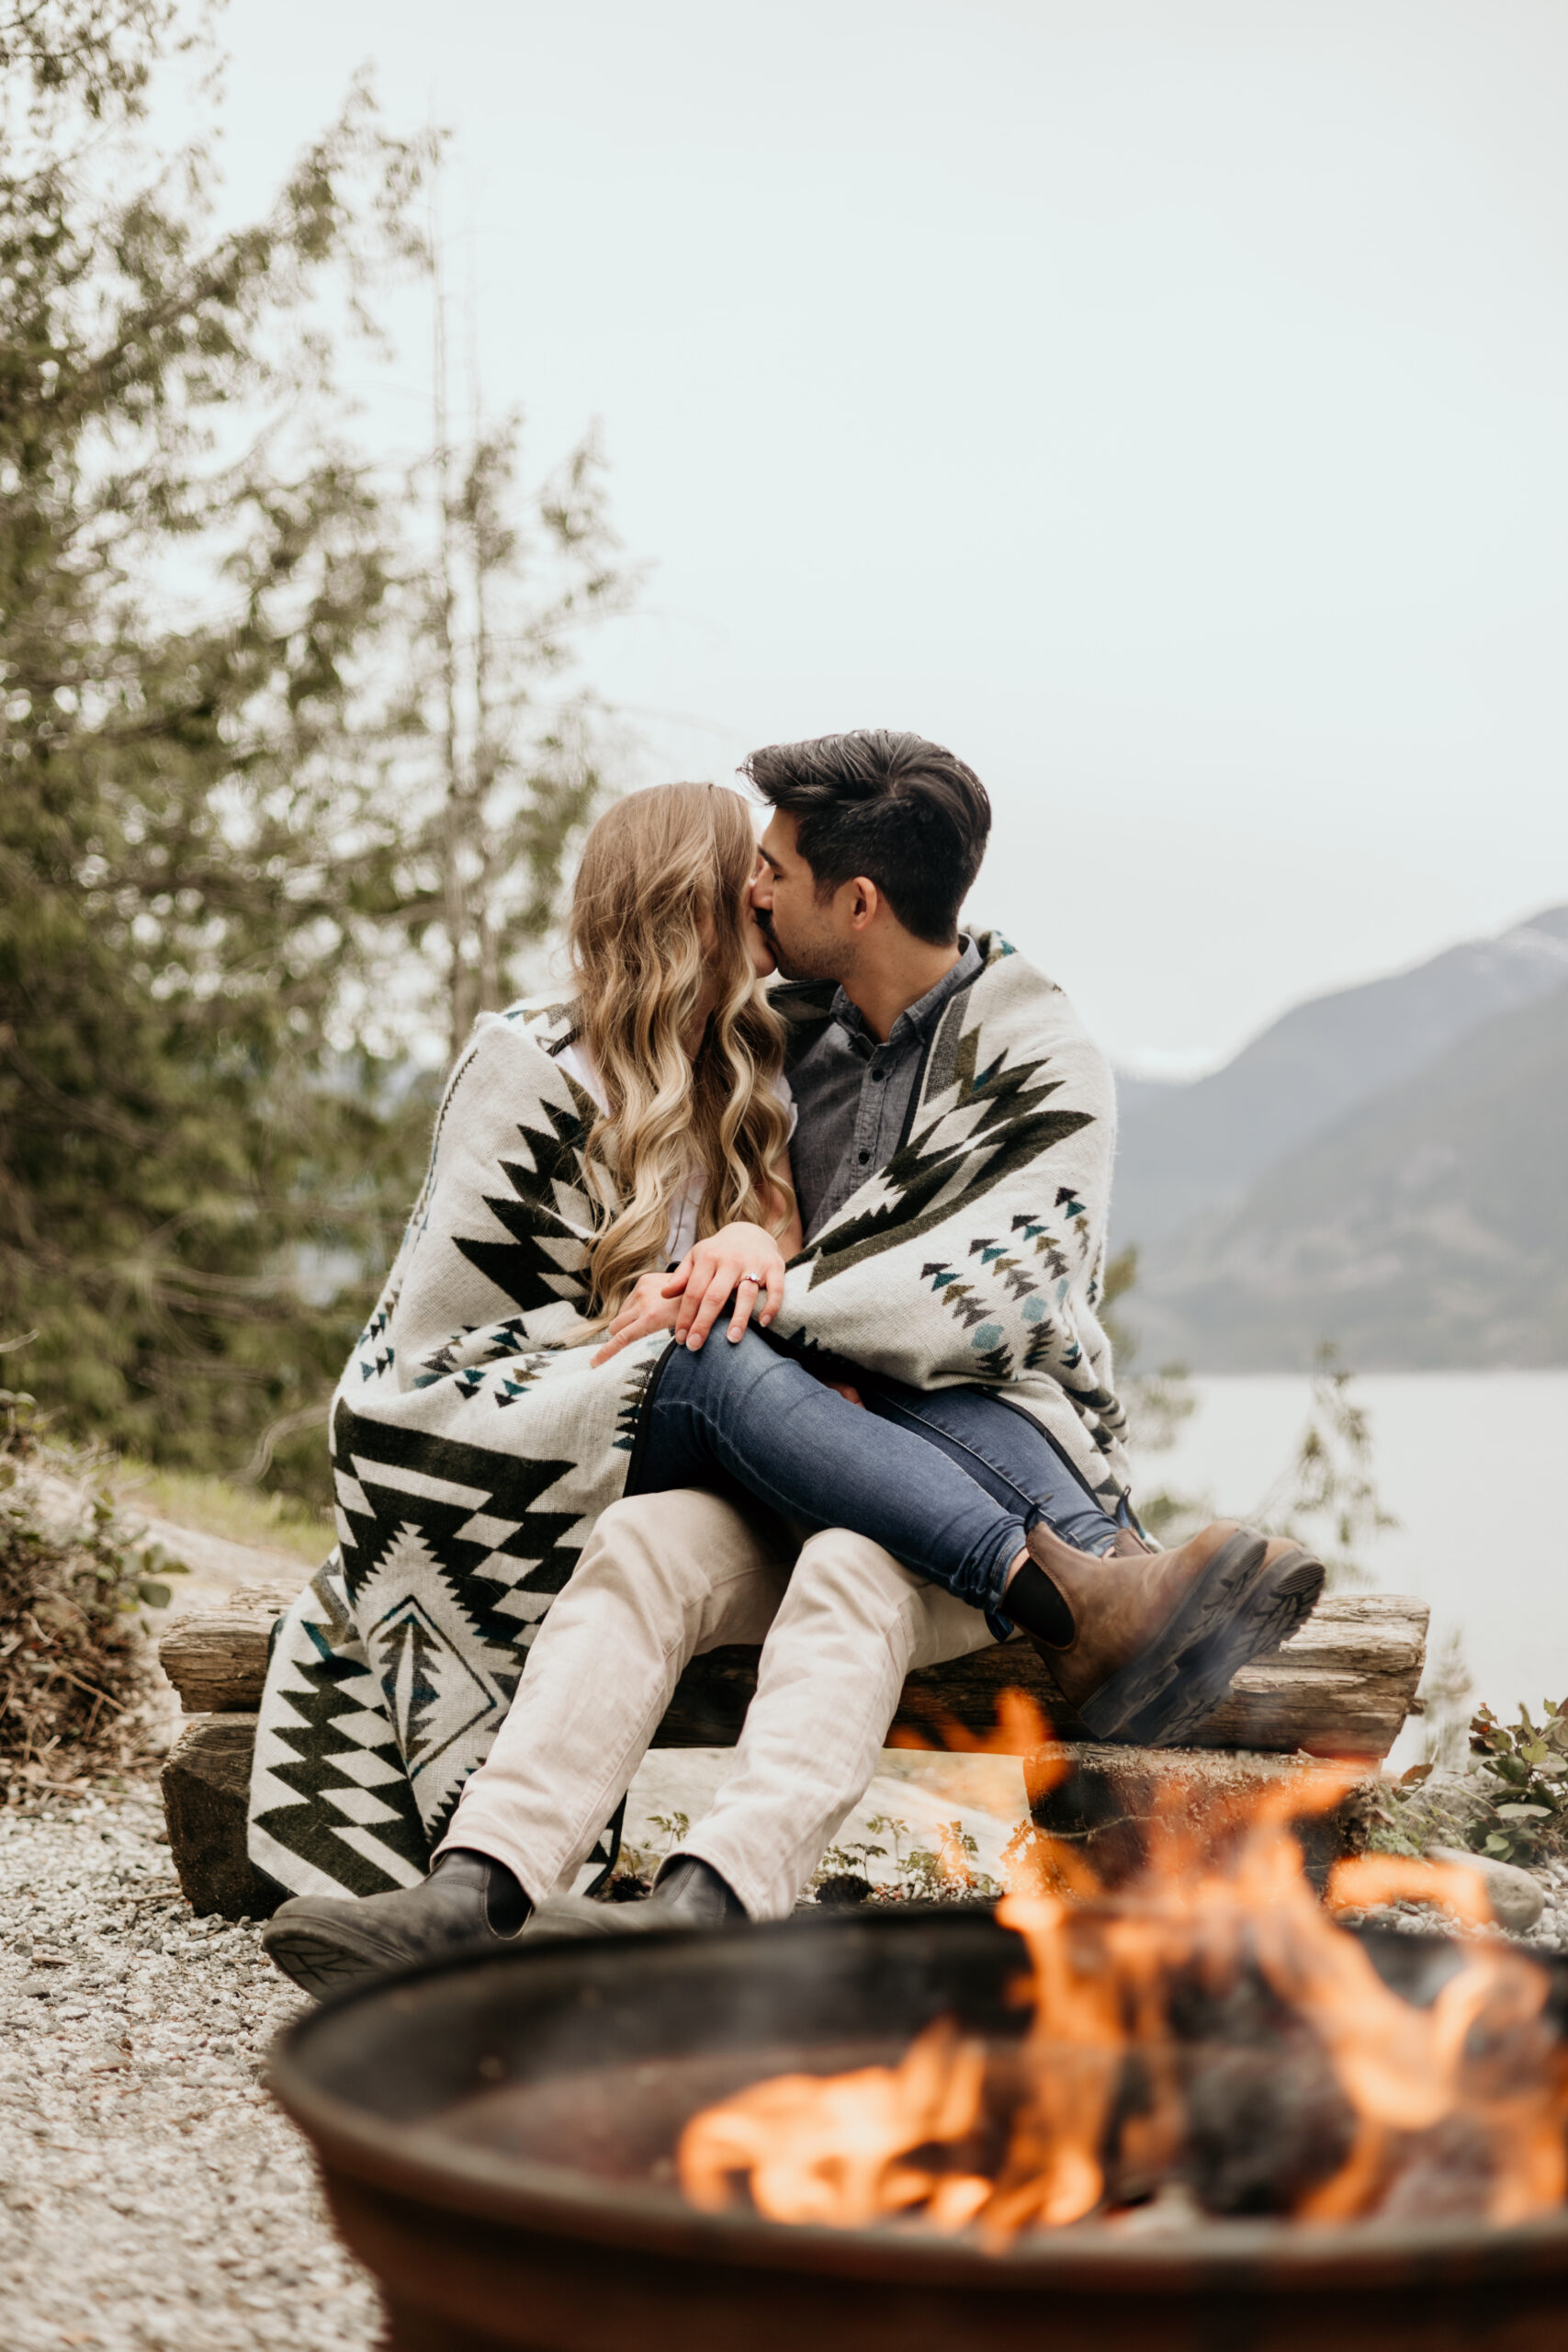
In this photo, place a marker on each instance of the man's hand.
(649, 1307)
(743, 1261)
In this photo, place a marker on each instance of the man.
(953, 1165)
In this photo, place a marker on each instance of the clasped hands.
(742, 1261)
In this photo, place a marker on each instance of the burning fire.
(1218, 1965)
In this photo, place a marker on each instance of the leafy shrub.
(1512, 1805)
(945, 1875)
(1530, 1763)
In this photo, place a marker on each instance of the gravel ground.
(151, 2195)
(1549, 1935)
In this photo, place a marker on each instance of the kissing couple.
(728, 1312)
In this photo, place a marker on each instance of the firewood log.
(216, 1657)
(1342, 1686)
(206, 1784)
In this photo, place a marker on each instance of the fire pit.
(500, 2140)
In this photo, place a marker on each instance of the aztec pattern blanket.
(474, 1444)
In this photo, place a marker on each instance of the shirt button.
(864, 1158)
(879, 1074)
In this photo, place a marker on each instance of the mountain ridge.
(1428, 1229)
(1384, 1167)
(1186, 1150)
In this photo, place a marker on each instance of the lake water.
(1472, 1464)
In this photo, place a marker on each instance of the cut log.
(206, 1783)
(1343, 1686)
(216, 1657)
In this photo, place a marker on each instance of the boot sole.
(1282, 1602)
(324, 1960)
(1235, 1613)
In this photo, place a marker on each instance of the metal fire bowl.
(494, 2135)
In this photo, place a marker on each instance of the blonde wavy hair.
(656, 908)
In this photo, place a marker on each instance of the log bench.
(1341, 1687)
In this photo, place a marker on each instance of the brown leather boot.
(1160, 1636)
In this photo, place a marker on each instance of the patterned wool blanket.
(474, 1444)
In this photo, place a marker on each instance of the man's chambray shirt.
(854, 1094)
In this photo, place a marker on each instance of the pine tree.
(195, 565)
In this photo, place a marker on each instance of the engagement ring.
(752, 1278)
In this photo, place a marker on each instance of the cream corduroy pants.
(662, 1578)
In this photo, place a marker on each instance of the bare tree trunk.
(460, 1006)
(487, 763)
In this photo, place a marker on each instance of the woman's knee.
(727, 1367)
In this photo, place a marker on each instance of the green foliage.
(498, 771)
(1326, 1496)
(1512, 1805)
(94, 55)
(1528, 1765)
(269, 715)
(1120, 1275)
(921, 1875)
(196, 1500)
(194, 569)
(637, 1866)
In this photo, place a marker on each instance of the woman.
(674, 1042)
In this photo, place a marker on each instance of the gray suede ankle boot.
(688, 1893)
(325, 1944)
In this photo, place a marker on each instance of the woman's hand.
(650, 1307)
(744, 1260)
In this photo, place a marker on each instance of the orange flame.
(838, 2150)
(1223, 1898)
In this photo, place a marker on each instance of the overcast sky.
(1164, 403)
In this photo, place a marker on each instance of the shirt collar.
(916, 1021)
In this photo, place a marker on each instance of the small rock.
(1517, 1898)
(108, 2060)
(39, 1988)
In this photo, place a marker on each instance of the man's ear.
(862, 898)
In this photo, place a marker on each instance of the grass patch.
(211, 1506)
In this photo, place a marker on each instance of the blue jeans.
(947, 1480)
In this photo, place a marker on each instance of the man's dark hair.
(904, 812)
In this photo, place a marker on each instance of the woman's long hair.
(660, 870)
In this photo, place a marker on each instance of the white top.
(683, 1213)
